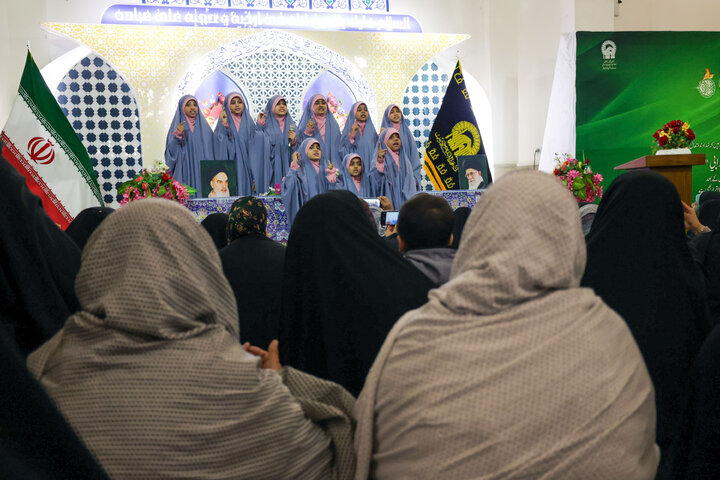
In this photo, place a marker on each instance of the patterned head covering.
(247, 215)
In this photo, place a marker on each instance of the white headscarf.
(150, 372)
(510, 370)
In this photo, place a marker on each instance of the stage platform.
(278, 228)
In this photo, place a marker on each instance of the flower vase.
(674, 151)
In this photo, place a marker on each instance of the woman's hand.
(692, 222)
(270, 357)
(180, 128)
(385, 203)
(223, 118)
(295, 164)
(310, 126)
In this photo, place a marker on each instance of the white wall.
(19, 23)
(700, 15)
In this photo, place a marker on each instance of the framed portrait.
(474, 172)
(218, 178)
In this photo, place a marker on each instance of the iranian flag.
(42, 145)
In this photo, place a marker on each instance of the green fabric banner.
(629, 84)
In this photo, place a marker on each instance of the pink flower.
(278, 188)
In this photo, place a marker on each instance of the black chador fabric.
(708, 213)
(640, 264)
(215, 224)
(460, 216)
(85, 224)
(253, 264)
(35, 440)
(703, 459)
(38, 264)
(706, 250)
(343, 290)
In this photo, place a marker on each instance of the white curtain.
(560, 124)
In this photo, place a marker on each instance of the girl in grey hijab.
(511, 370)
(152, 377)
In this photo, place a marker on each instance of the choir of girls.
(306, 158)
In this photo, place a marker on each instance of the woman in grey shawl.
(152, 377)
(510, 370)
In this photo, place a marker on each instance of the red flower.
(139, 179)
(690, 134)
(145, 186)
(662, 141)
(656, 135)
(676, 129)
(165, 177)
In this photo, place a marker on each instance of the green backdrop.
(654, 77)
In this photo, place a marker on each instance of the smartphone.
(388, 217)
(373, 202)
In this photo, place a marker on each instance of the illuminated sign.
(333, 15)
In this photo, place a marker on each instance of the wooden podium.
(676, 168)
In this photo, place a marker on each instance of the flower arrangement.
(675, 134)
(155, 181)
(577, 175)
(273, 191)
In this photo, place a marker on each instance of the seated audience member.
(587, 215)
(35, 440)
(639, 263)
(510, 370)
(342, 291)
(703, 453)
(703, 219)
(253, 264)
(152, 377)
(85, 224)
(706, 252)
(38, 264)
(460, 216)
(425, 225)
(215, 225)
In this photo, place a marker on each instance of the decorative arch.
(274, 40)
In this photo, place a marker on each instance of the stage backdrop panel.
(629, 84)
(102, 109)
(159, 61)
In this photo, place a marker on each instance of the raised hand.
(310, 126)
(270, 357)
(381, 154)
(180, 128)
(355, 127)
(224, 118)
